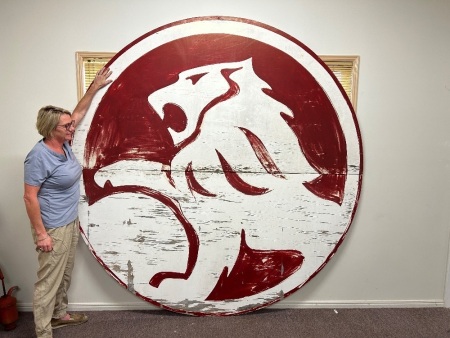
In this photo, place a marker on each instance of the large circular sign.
(221, 167)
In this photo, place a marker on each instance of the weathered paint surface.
(222, 167)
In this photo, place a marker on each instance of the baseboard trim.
(360, 304)
(28, 307)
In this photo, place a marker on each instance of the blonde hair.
(48, 119)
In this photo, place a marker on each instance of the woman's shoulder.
(40, 152)
(37, 148)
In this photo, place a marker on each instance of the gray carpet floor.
(309, 323)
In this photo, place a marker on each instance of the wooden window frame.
(82, 58)
(349, 63)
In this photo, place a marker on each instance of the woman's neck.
(54, 145)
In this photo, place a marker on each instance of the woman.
(52, 192)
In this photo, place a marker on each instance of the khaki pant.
(54, 275)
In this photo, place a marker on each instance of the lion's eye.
(195, 78)
(174, 117)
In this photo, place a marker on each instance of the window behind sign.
(345, 68)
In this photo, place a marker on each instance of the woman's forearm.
(34, 214)
(100, 81)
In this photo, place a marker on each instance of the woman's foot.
(69, 319)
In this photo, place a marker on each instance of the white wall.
(396, 252)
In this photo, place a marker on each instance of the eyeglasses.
(67, 125)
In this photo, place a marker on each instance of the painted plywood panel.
(222, 167)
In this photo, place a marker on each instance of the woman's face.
(65, 128)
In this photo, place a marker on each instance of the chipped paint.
(130, 284)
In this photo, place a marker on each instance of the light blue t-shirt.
(58, 177)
